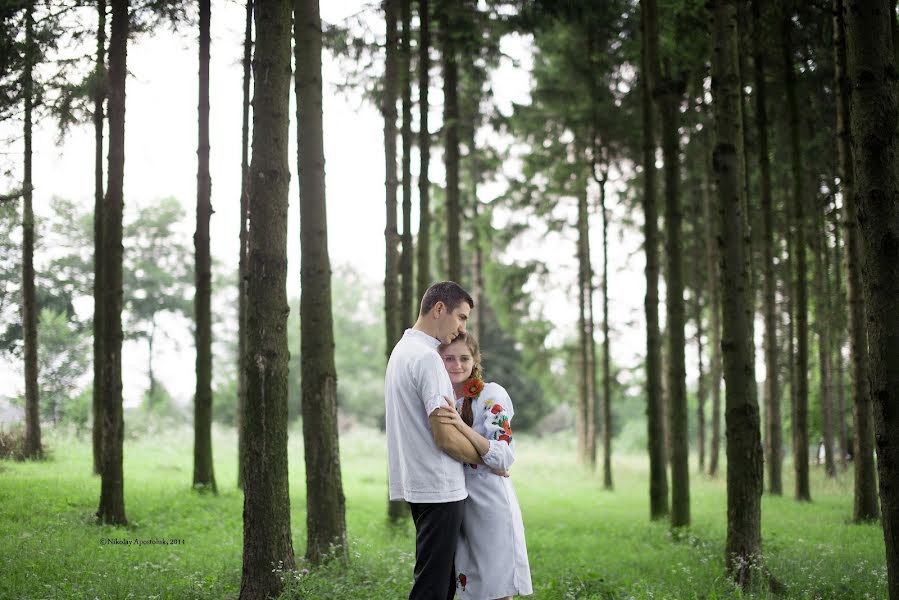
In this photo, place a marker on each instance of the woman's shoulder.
(493, 394)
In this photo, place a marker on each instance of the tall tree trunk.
(451, 135)
(266, 509)
(242, 261)
(606, 429)
(477, 257)
(99, 117)
(395, 509)
(744, 451)
(33, 448)
(424, 148)
(874, 115)
(864, 486)
(697, 317)
(388, 110)
(800, 305)
(325, 504)
(839, 314)
(658, 475)
(823, 324)
(405, 60)
(711, 263)
(667, 92)
(773, 431)
(112, 496)
(586, 415)
(204, 475)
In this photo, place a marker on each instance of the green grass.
(583, 542)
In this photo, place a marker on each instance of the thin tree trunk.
(451, 136)
(590, 335)
(667, 91)
(865, 487)
(388, 110)
(800, 412)
(424, 147)
(823, 323)
(874, 114)
(773, 431)
(242, 261)
(711, 263)
(658, 475)
(744, 452)
(266, 511)
(839, 315)
(606, 430)
(33, 448)
(395, 509)
(406, 314)
(99, 117)
(325, 504)
(697, 317)
(584, 419)
(204, 475)
(112, 497)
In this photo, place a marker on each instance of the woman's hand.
(449, 415)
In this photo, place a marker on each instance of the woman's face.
(458, 361)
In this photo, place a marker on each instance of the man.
(425, 456)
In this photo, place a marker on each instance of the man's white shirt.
(416, 384)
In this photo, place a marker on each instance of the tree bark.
(864, 483)
(405, 60)
(711, 262)
(744, 452)
(658, 475)
(839, 315)
(392, 316)
(875, 141)
(99, 117)
(606, 422)
(586, 416)
(388, 110)
(800, 306)
(823, 324)
(33, 447)
(773, 430)
(666, 91)
(325, 504)
(424, 147)
(204, 474)
(243, 240)
(112, 497)
(266, 514)
(697, 317)
(451, 136)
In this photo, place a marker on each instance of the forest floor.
(583, 542)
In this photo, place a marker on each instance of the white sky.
(160, 161)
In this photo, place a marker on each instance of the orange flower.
(472, 387)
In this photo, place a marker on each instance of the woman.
(491, 558)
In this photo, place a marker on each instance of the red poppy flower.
(473, 387)
(496, 409)
(463, 580)
(506, 427)
(505, 438)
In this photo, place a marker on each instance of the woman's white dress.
(491, 558)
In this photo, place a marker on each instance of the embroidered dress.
(491, 558)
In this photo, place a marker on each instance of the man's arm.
(452, 441)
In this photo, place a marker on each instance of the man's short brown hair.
(449, 292)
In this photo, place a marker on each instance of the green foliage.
(63, 359)
(582, 542)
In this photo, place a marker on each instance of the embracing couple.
(449, 448)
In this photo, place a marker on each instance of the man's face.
(451, 324)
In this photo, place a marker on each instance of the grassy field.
(583, 542)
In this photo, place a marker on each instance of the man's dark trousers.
(437, 529)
